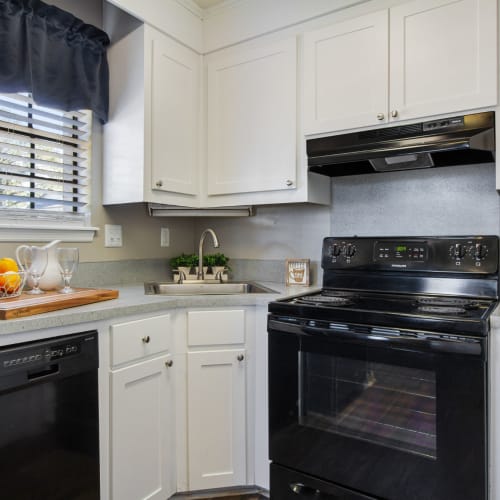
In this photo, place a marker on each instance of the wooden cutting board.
(28, 305)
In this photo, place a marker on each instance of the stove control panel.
(400, 251)
(463, 254)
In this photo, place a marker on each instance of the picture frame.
(297, 272)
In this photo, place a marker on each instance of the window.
(44, 169)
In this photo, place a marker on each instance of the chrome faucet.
(201, 274)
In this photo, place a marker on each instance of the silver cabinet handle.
(394, 113)
(289, 182)
(380, 116)
(240, 357)
(169, 363)
(146, 339)
(159, 183)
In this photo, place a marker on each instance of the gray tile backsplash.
(101, 274)
(433, 202)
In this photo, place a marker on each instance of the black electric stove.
(378, 383)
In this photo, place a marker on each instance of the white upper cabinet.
(252, 119)
(443, 57)
(346, 74)
(175, 116)
(417, 59)
(152, 140)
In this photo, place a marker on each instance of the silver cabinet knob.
(159, 183)
(380, 116)
(146, 339)
(240, 357)
(394, 113)
(169, 363)
(289, 182)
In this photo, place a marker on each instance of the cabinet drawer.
(216, 327)
(136, 339)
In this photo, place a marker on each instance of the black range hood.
(460, 140)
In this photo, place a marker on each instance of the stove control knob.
(335, 250)
(458, 251)
(350, 250)
(478, 251)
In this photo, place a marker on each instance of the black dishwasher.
(49, 421)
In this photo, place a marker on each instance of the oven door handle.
(308, 492)
(472, 347)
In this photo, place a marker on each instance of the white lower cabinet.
(213, 406)
(216, 419)
(181, 402)
(142, 453)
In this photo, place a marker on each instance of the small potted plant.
(216, 262)
(184, 263)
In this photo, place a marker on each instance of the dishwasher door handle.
(48, 371)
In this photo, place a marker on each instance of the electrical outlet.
(164, 237)
(113, 235)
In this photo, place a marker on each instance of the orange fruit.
(7, 264)
(10, 280)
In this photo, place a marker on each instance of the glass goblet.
(34, 261)
(67, 259)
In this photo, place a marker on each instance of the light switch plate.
(113, 235)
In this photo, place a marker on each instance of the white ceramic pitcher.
(51, 278)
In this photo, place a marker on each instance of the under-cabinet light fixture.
(159, 210)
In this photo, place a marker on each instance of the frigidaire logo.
(398, 265)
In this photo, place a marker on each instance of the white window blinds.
(43, 159)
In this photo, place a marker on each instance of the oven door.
(390, 416)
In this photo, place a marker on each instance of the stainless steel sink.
(203, 288)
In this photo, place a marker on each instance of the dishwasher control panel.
(31, 354)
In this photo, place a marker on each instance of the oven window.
(390, 405)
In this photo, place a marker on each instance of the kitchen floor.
(238, 494)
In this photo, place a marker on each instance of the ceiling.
(206, 4)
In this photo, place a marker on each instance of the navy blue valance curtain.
(54, 55)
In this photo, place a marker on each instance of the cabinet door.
(175, 115)
(141, 450)
(443, 56)
(252, 119)
(216, 419)
(346, 74)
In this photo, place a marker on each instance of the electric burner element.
(326, 300)
(442, 310)
(446, 301)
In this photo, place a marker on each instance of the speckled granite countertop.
(132, 300)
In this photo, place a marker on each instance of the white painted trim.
(229, 24)
(26, 232)
(192, 7)
(210, 11)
